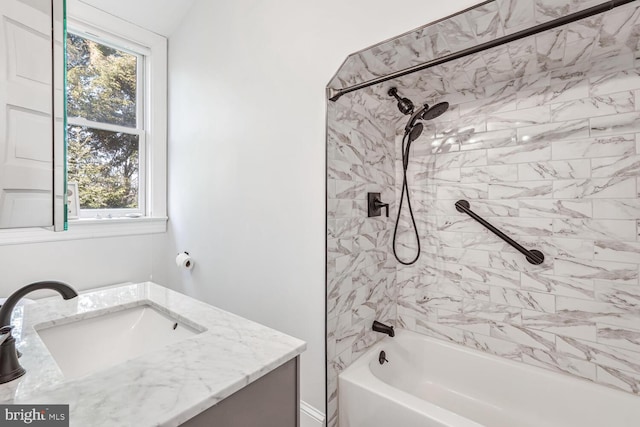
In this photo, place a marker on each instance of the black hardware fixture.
(381, 327)
(10, 368)
(375, 205)
(335, 94)
(412, 131)
(533, 256)
(382, 357)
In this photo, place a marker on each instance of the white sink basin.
(90, 345)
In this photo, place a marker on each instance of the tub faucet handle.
(382, 357)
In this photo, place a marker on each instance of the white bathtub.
(431, 383)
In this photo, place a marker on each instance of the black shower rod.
(335, 94)
(533, 256)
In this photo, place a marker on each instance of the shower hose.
(406, 145)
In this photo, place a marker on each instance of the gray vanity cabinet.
(271, 401)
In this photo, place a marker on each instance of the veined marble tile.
(596, 269)
(524, 336)
(547, 208)
(568, 91)
(608, 188)
(465, 289)
(499, 208)
(551, 47)
(464, 322)
(616, 209)
(516, 14)
(491, 311)
(558, 285)
(578, 51)
(436, 330)
(558, 247)
(522, 47)
(500, 173)
(523, 299)
(613, 336)
(349, 190)
(493, 104)
(513, 260)
(463, 256)
(554, 131)
(623, 296)
(557, 362)
(596, 229)
(458, 224)
(338, 247)
(615, 166)
(615, 82)
(559, 324)
(616, 124)
(601, 105)
(569, 169)
(614, 250)
(339, 208)
(487, 27)
(521, 190)
(492, 345)
(491, 276)
(462, 159)
(518, 118)
(529, 152)
(452, 191)
(597, 312)
(621, 145)
(495, 139)
(623, 380)
(600, 354)
(484, 241)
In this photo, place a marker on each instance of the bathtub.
(432, 383)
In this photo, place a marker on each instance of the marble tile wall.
(554, 162)
(484, 23)
(543, 139)
(360, 275)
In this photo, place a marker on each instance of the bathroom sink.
(93, 344)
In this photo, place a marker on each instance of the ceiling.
(159, 16)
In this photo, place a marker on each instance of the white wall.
(247, 150)
(84, 264)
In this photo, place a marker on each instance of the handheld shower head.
(404, 104)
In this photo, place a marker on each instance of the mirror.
(32, 153)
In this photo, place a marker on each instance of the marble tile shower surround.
(584, 41)
(361, 277)
(550, 155)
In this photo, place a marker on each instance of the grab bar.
(533, 256)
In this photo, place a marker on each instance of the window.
(116, 118)
(105, 127)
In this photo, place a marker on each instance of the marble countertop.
(164, 388)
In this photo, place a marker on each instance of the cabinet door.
(26, 125)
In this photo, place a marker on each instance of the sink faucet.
(10, 368)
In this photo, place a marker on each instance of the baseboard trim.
(311, 415)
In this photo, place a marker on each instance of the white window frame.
(155, 129)
(94, 24)
(141, 53)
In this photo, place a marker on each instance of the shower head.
(415, 132)
(404, 104)
(435, 111)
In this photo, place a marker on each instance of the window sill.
(80, 229)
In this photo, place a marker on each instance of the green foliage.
(101, 87)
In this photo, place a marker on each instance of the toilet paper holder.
(184, 261)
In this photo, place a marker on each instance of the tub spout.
(381, 327)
